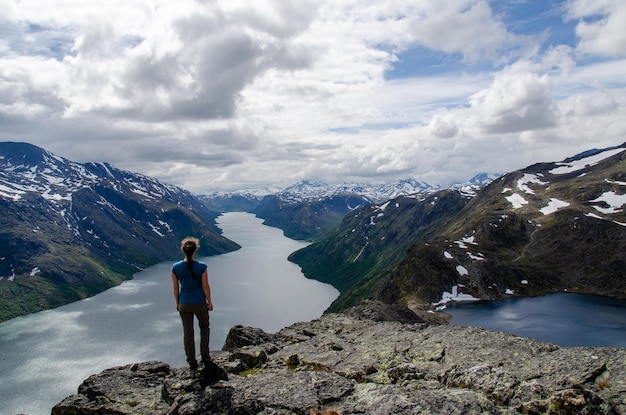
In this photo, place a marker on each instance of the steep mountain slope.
(371, 239)
(309, 210)
(551, 226)
(70, 230)
(309, 219)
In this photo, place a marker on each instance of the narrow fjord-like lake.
(45, 356)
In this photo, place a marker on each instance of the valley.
(71, 230)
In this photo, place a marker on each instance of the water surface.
(45, 356)
(565, 319)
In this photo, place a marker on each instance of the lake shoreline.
(46, 355)
(557, 318)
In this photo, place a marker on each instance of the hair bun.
(189, 245)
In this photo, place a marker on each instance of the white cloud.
(187, 61)
(600, 26)
(514, 102)
(466, 27)
(596, 102)
(443, 125)
(233, 94)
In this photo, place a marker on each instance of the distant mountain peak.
(483, 179)
(314, 189)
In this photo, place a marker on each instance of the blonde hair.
(326, 412)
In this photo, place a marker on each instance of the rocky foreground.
(372, 359)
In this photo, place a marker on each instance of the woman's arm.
(207, 289)
(175, 289)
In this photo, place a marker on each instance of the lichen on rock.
(364, 362)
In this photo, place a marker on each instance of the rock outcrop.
(372, 360)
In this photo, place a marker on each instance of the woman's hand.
(209, 305)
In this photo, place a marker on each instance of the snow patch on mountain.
(613, 201)
(553, 206)
(526, 180)
(608, 203)
(579, 164)
(454, 295)
(517, 200)
(57, 179)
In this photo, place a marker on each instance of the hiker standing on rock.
(190, 282)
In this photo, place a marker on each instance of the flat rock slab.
(359, 363)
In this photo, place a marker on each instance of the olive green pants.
(187, 312)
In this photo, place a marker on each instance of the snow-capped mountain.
(548, 227)
(307, 190)
(472, 186)
(28, 171)
(70, 230)
(310, 190)
(309, 209)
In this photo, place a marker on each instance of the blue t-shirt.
(190, 288)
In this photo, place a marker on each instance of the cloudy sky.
(240, 94)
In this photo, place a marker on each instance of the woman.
(190, 282)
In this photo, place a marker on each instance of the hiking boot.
(206, 360)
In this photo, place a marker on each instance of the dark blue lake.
(564, 319)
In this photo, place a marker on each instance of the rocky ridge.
(357, 255)
(550, 227)
(371, 359)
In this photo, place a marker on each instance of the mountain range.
(557, 226)
(308, 210)
(70, 230)
(308, 190)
